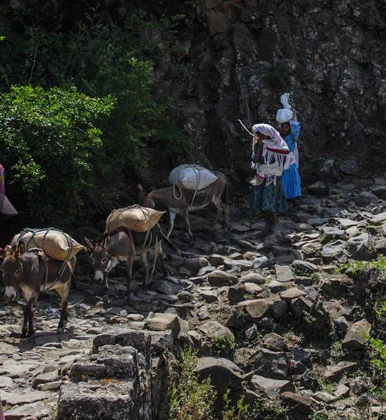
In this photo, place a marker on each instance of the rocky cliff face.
(238, 57)
(234, 58)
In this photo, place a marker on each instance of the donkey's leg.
(185, 215)
(28, 322)
(172, 217)
(129, 271)
(159, 251)
(221, 207)
(226, 214)
(63, 292)
(113, 262)
(145, 262)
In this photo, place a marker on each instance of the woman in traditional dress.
(291, 180)
(269, 158)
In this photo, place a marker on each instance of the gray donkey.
(181, 201)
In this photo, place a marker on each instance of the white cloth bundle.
(285, 114)
(191, 177)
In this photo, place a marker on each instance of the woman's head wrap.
(275, 141)
(267, 130)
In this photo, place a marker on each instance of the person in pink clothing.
(6, 206)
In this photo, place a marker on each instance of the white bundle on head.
(284, 99)
(285, 114)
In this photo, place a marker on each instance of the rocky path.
(295, 319)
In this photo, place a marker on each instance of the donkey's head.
(98, 257)
(145, 199)
(12, 272)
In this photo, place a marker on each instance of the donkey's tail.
(168, 241)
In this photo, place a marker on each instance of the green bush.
(190, 398)
(193, 399)
(98, 156)
(223, 346)
(48, 139)
(378, 263)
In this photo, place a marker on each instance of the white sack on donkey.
(191, 177)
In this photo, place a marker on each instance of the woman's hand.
(255, 140)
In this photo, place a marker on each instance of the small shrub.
(223, 346)
(231, 411)
(379, 264)
(336, 350)
(266, 409)
(190, 398)
(193, 399)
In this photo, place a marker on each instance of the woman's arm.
(295, 126)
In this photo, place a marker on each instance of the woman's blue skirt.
(269, 197)
(291, 182)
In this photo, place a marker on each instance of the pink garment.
(2, 180)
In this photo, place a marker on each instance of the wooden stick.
(245, 128)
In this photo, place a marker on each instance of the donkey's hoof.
(27, 334)
(60, 330)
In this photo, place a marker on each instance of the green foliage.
(381, 310)
(327, 386)
(223, 346)
(319, 416)
(231, 411)
(266, 409)
(379, 264)
(102, 59)
(171, 144)
(48, 138)
(191, 399)
(380, 347)
(336, 350)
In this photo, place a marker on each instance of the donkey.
(33, 272)
(123, 245)
(180, 201)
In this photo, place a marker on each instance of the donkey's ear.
(89, 244)
(139, 187)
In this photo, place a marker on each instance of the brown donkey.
(32, 272)
(122, 245)
(181, 201)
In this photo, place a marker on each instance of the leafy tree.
(102, 58)
(48, 137)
